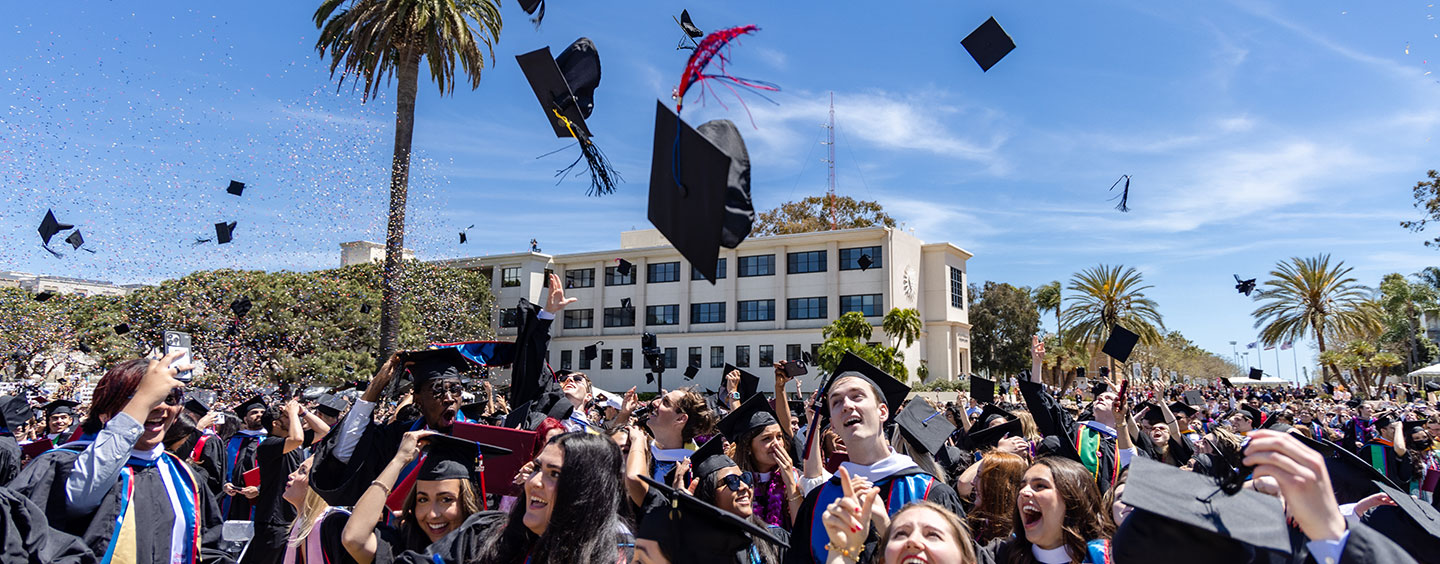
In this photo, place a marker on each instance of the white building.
(772, 297)
(63, 285)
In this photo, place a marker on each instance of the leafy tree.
(851, 333)
(34, 336)
(1175, 353)
(1106, 296)
(371, 40)
(1003, 318)
(1427, 198)
(1310, 297)
(813, 214)
(903, 326)
(1048, 298)
(1402, 302)
(1366, 364)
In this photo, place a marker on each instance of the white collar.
(1057, 555)
(882, 469)
(151, 454)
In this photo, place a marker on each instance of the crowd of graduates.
(428, 464)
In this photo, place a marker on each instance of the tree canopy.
(1002, 320)
(1427, 199)
(813, 214)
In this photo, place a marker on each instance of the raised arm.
(359, 534)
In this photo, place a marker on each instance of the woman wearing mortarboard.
(116, 487)
(1102, 443)
(763, 451)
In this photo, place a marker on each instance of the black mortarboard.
(1155, 416)
(754, 412)
(1409, 427)
(44, 295)
(982, 389)
(749, 383)
(1413, 525)
(893, 390)
(1226, 382)
(434, 364)
(1182, 407)
(1100, 387)
(240, 306)
(710, 457)
(257, 402)
(1353, 403)
(697, 532)
(75, 239)
(590, 352)
(565, 87)
(625, 303)
(197, 406)
(691, 371)
(924, 426)
(1193, 397)
(224, 232)
(237, 188)
(1244, 286)
(16, 412)
(1351, 477)
(624, 267)
(453, 458)
(699, 188)
(331, 404)
(1256, 373)
(531, 6)
(797, 410)
(122, 328)
(49, 226)
(982, 436)
(1186, 517)
(365, 308)
(60, 406)
(474, 411)
(988, 44)
(990, 412)
(84, 348)
(864, 262)
(1120, 343)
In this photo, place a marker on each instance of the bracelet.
(382, 486)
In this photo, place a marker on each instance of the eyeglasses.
(576, 378)
(448, 388)
(733, 481)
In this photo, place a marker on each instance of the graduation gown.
(209, 455)
(1097, 451)
(26, 536)
(808, 537)
(43, 483)
(323, 544)
(1380, 454)
(240, 453)
(9, 458)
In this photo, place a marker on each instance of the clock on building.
(908, 282)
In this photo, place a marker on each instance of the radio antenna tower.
(830, 162)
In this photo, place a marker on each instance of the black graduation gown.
(43, 482)
(26, 536)
(9, 458)
(212, 461)
(466, 543)
(804, 545)
(239, 507)
(1054, 421)
(532, 338)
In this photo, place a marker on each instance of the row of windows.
(756, 265)
(870, 305)
(765, 357)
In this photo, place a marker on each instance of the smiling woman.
(1057, 517)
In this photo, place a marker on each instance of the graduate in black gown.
(14, 413)
(721, 483)
(26, 536)
(115, 486)
(240, 450)
(278, 455)
(314, 537)
(1099, 443)
(59, 416)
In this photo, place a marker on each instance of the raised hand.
(555, 300)
(846, 521)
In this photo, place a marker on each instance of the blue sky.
(1253, 131)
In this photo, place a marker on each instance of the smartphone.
(177, 341)
(1124, 390)
(795, 368)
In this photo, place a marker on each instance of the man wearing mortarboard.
(348, 460)
(1386, 450)
(13, 410)
(858, 399)
(59, 415)
(240, 458)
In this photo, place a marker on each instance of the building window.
(710, 312)
(809, 261)
(613, 278)
(806, 308)
(756, 310)
(670, 353)
(579, 318)
(850, 258)
(584, 360)
(662, 315)
(719, 271)
(695, 358)
(767, 355)
(662, 272)
(627, 359)
(758, 265)
(868, 305)
(566, 359)
(957, 288)
(717, 357)
(580, 278)
(508, 317)
(815, 350)
(607, 359)
(792, 352)
(510, 277)
(742, 356)
(619, 317)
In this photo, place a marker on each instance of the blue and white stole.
(179, 488)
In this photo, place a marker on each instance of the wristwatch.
(735, 395)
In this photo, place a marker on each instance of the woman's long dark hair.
(1083, 521)
(745, 456)
(585, 519)
(706, 492)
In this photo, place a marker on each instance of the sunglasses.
(576, 378)
(733, 481)
(176, 397)
(440, 390)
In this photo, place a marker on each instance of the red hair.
(113, 392)
(546, 426)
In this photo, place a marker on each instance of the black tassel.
(52, 251)
(199, 241)
(603, 176)
(1124, 196)
(539, 15)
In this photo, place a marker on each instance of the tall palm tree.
(371, 40)
(902, 325)
(1309, 296)
(1049, 298)
(1106, 296)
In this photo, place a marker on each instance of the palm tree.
(1308, 296)
(1106, 296)
(1048, 298)
(902, 325)
(371, 40)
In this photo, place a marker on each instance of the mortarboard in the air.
(565, 86)
(59, 407)
(49, 227)
(1180, 407)
(749, 383)
(454, 458)
(1256, 373)
(1244, 286)
(982, 389)
(16, 412)
(1412, 524)
(988, 44)
(1120, 343)
(691, 371)
(710, 457)
(590, 352)
(625, 303)
(122, 328)
(624, 267)
(331, 404)
(236, 188)
(1226, 382)
(1187, 518)
(1194, 398)
(851, 365)
(924, 426)
(197, 406)
(699, 188)
(240, 306)
(532, 6)
(44, 295)
(224, 232)
(864, 262)
(365, 308)
(753, 413)
(257, 402)
(697, 532)
(75, 239)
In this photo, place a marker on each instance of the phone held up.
(178, 341)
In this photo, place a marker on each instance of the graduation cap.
(435, 364)
(197, 406)
(243, 408)
(236, 188)
(988, 44)
(331, 404)
(60, 407)
(75, 240)
(711, 457)
(624, 267)
(1429, 386)
(1351, 477)
(982, 437)
(700, 188)
(1413, 525)
(923, 426)
(894, 391)
(749, 383)
(44, 295)
(122, 328)
(240, 306)
(1226, 382)
(365, 308)
(224, 233)
(551, 404)
(1120, 343)
(1155, 416)
(1100, 387)
(754, 413)
(1187, 518)
(982, 389)
(625, 303)
(84, 348)
(1256, 373)
(690, 529)
(565, 87)
(691, 371)
(1192, 397)
(533, 6)
(797, 410)
(453, 458)
(691, 31)
(1244, 286)
(463, 238)
(16, 412)
(1182, 407)
(474, 411)
(49, 227)
(864, 262)
(590, 352)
